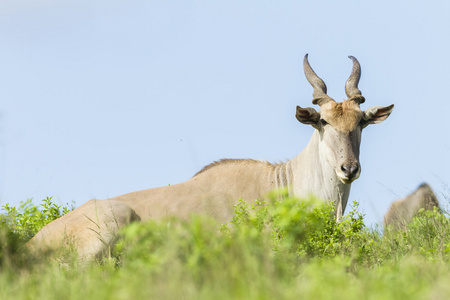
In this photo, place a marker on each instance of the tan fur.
(91, 229)
(227, 161)
(402, 211)
(343, 116)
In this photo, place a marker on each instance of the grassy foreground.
(288, 249)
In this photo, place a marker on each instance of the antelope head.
(340, 124)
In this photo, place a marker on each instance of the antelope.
(325, 168)
(402, 211)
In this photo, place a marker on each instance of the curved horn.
(351, 86)
(320, 89)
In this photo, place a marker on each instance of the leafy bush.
(428, 235)
(18, 225)
(307, 227)
(280, 249)
(260, 235)
(28, 219)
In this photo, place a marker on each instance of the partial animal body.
(325, 168)
(402, 211)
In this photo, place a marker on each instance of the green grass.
(279, 250)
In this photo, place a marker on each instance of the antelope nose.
(350, 170)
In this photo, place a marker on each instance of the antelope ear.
(376, 114)
(307, 115)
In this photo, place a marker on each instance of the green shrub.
(428, 235)
(10, 241)
(307, 227)
(28, 218)
(279, 249)
(275, 236)
(18, 225)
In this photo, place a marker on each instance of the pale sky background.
(101, 98)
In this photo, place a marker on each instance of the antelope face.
(340, 124)
(340, 136)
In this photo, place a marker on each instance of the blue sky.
(101, 98)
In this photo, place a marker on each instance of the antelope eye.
(323, 122)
